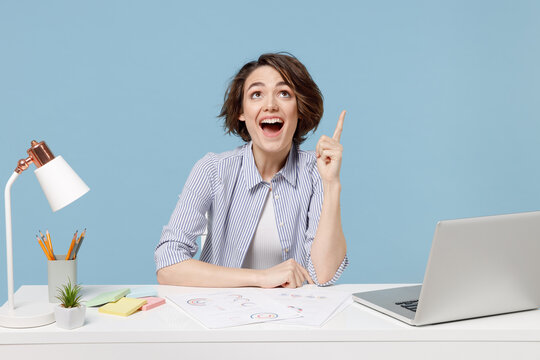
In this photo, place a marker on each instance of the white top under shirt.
(265, 249)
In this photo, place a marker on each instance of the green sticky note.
(106, 297)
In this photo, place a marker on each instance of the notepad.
(140, 292)
(152, 302)
(107, 297)
(123, 307)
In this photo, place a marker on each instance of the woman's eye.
(284, 93)
(256, 95)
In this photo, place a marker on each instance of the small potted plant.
(70, 312)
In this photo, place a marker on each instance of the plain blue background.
(443, 117)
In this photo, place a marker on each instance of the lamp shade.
(60, 183)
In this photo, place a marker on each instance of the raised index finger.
(339, 126)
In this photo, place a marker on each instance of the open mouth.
(271, 126)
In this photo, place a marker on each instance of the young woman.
(271, 210)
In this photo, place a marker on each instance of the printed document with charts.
(310, 306)
(232, 307)
(316, 305)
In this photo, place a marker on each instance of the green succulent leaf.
(69, 295)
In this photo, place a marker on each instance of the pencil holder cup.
(60, 272)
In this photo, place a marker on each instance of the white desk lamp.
(61, 186)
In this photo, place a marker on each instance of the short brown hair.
(309, 100)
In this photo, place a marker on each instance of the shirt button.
(281, 223)
(276, 197)
(286, 250)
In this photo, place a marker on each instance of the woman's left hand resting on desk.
(288, 274)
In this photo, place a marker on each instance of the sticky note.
(140, 292)
(152, 302)
(107, 297)
(123, 307)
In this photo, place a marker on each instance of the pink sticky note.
(152, 302)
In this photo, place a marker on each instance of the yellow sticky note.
(123, 307)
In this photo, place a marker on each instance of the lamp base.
(27, 315)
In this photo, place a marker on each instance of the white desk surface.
(355, 325)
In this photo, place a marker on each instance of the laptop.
(477, 267)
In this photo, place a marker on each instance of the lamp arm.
(9, 239)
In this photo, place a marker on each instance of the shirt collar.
(252, 175)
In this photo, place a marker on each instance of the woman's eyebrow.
(259, 83)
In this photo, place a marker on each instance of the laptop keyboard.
(409, 305)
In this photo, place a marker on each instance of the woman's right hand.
(288, 274)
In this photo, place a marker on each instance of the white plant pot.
(69, 318)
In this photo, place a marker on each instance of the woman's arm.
(198, 273)
(329, 246)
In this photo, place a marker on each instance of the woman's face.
(270, 111)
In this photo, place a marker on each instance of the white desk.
(357, 332)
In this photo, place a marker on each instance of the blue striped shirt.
(229, 189)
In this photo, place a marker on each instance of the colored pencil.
(50, 244)
(74, 251)
(71, 246)
(43, 248)
(44, 239)
(79, 243)
(78, 247)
